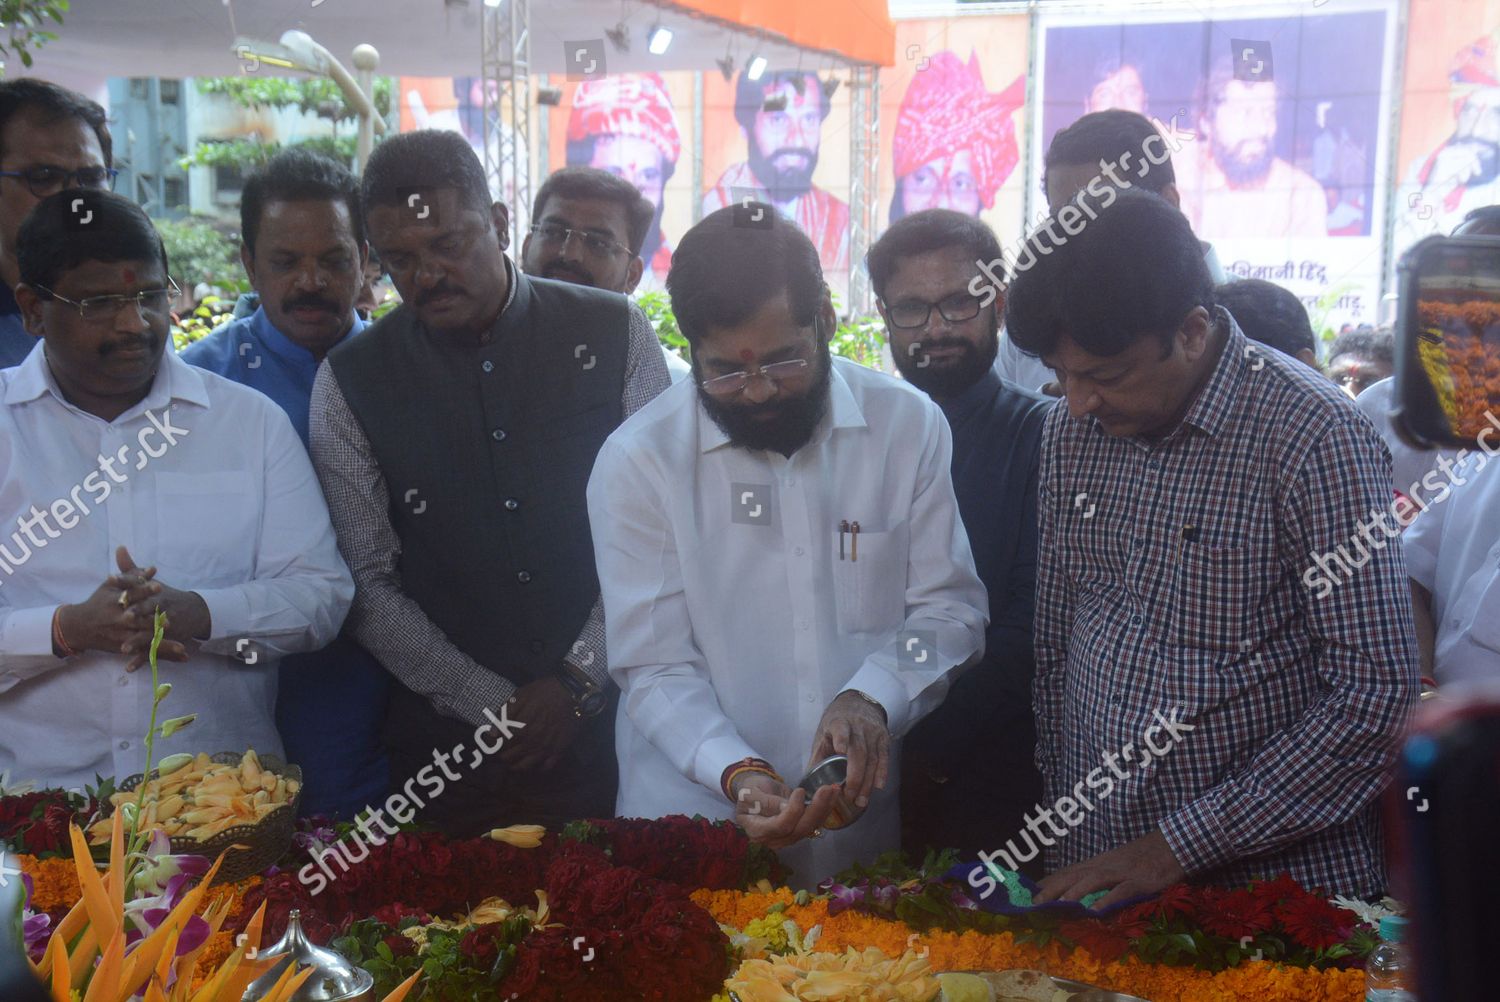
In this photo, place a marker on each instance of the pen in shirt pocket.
(851, 529)
(1189, 535)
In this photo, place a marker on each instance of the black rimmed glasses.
(954, 309)
(44, 181)
(557, 235)
(96, 309)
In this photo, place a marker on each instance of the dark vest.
(486, 452)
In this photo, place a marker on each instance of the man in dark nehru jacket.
(454, 440)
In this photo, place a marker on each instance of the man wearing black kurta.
(454, 440)
(969, 768)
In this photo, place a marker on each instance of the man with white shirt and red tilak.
(135, 483)
(784, 571)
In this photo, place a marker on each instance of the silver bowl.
(833, 771)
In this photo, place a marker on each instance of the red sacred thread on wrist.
(58, 641)
(735, 769)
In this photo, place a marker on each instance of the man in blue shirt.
(50, 139)
(303, 248)
(969, 770)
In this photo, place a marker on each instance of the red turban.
(629, 104)
(946, 110)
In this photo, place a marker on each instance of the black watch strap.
(588, 698)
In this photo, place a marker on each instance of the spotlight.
(830, 87)
(726, 67)
(757, 68)
(658, 40)
(493, 3)
(619, 36)
(549, 97)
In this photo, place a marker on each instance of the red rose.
(400, 945)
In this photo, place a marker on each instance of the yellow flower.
(520, 836)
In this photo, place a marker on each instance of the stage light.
(619, 36)
(659, 39)
(549, 97)
(726, 67)
(757, 68)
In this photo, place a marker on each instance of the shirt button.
(791, 481)
(1138, 543)
(124, 745)
(487, 365)
(1153, 464)
(798, 550)
(524, 577)
(811, 698)
(1135, 620)
(537, 646)
(801, 624)
(511, 504)
(1117, 699)
(124, 681)
(498, 434)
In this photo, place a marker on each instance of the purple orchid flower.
(886, 895)
(841, 897)
(159, 885)
(36, 927)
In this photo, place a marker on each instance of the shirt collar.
(279, 344)
(1216, 401)
(175, 380)
(843, 412)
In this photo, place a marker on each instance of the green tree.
(310, 95)
(25, 21)
(197, 251)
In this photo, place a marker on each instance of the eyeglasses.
(44, 181)
(955, 308)
(735, 383)
(557, 235)
(97, 309)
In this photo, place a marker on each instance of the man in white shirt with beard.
(784, 571)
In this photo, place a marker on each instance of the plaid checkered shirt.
(1174, 585)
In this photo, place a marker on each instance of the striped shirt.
(1174, 580)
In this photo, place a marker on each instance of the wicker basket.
(248, 849)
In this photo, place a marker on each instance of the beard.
(782, 424)
(1239, 170)
(785, 183)
(950, 377)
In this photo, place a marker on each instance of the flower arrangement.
(1189, 925)
(971, 949)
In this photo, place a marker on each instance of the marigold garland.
(1264, 982)
(54, 882)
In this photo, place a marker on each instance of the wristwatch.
(588, 699)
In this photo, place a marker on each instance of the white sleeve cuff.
(881, 686)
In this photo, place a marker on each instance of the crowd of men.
(373, 540)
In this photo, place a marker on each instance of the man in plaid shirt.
(1187, 493)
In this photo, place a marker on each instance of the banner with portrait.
(953, 119)
(1279, 147)
(639, 126)
(1449, 153)
(783, 139)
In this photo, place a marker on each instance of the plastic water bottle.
(1388, 975)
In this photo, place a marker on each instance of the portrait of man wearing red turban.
(625, 124)
(955, 142)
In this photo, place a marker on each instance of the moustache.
(793, 151)
(310, 303)
(578, 275)
(442, 290)
(142, 343)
